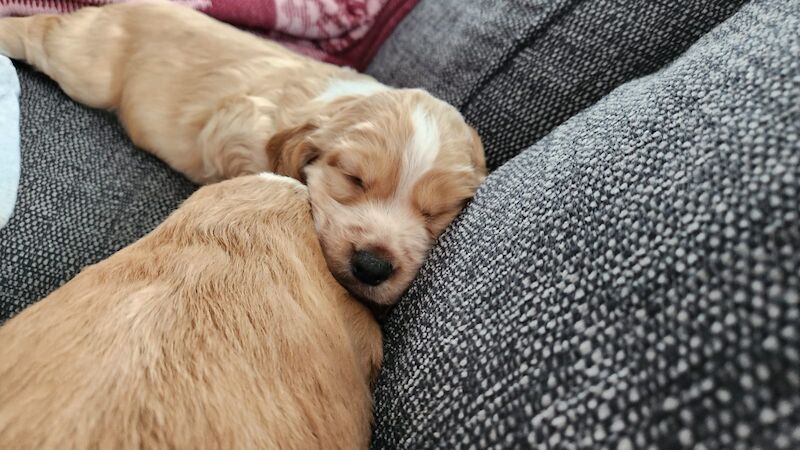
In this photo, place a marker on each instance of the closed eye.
(356, 181)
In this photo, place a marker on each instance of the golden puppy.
(222, 328)
(388, 169)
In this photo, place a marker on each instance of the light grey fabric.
(85, 192)
(517, 69)
(631, 280)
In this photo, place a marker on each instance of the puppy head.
(237, 211)
(386, 172)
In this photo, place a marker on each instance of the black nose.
(370, 268)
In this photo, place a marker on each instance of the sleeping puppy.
(387, 169)
(222, 328)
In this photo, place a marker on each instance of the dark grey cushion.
(633, 279)
(85, 192)
(518, 69)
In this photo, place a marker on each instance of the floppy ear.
(288, 151)
(477, 154)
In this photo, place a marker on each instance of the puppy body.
(222, 328)
(387, 169)
(197, 93)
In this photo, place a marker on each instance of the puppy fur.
(222, 328)
(388, 169)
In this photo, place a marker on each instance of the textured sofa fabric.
(85, 192)
(516, 69)
(633, 279)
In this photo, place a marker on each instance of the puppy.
(387, 169)
(222, 328)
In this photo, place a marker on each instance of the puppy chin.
(385, 294)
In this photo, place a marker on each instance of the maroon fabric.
(343, 32)
(363, 50)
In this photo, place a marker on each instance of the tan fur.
(195, 92)
(215, 102)
(220, 329)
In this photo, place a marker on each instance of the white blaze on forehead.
(422, 149)
(339, 88)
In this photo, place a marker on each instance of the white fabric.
(9, 139)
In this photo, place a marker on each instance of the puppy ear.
(477, 154)
(289, 151)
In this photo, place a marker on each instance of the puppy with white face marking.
(221, 328)
(382, 189)
(387, 169)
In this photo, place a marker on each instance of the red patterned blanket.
(343, 32)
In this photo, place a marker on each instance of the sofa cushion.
(631, 280)
(518, 69)
(85, 192)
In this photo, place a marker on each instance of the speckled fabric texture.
(85, 192)
(519, 68)
(630, 281)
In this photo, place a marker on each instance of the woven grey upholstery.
(519, 68)
(633, 279)
(85, 192)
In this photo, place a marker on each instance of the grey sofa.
(627, 277)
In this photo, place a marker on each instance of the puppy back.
(220, 329)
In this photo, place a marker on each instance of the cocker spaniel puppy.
(388, 169)
(221, 328)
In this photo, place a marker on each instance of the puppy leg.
(12, 37)
(80, 51)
